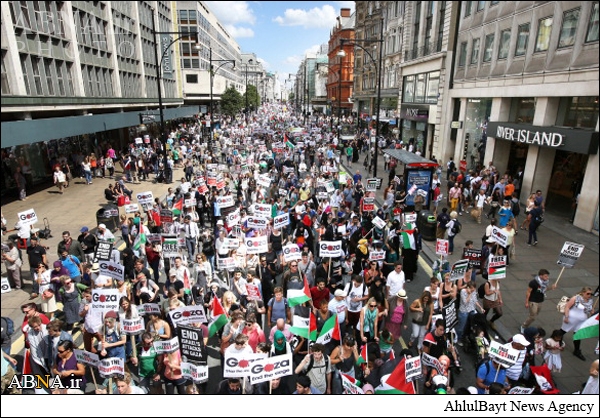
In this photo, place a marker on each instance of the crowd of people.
(285, 188)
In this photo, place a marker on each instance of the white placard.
(410, 218)
(233, 218)
(225, 201)
(442, 246)
(27, 217)
(257, 245)
(570, 253)
(291, 252)
(132, 326)
(131, 208)
(261, 210)
(105, 300)
(85, 357)
(230, 243)
(165, 347)
(376, 255)
(111, 366)
(413, 369)
(257, 222)
(192, 314)
(5, 285)
(330, 249)
(239, 364)
(378, 222)
(504, 355)
(281, 220)
(270, 368)
(499, 236)
(111, 269)
(225, 263)
(197, 373)
(145, 198)
(149, 308)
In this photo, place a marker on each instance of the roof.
(406, 157)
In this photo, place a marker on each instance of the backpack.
(272, 302)
(481, 290)
(8, 326)
(516, 208)
(444, 219)
(456, 227)
(539, 219)
(480, 363)
(311, 364)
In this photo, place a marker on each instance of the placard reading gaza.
(262, 210)
(270, 368)
(281, 221)
(144, 198)
(188, 315)
(291, 252)
(225, 201)
(257, 245)
(104, 300)
(27, 217)
(257, 222)
(113, 270)
(330, 249)
(238, 365)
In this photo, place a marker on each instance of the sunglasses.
(293, 265)
(26, 311)
(61, 351)
(249, 324)
(68, 282)
(372, 306)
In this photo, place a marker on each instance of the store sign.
(414, 112)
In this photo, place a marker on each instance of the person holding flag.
(343, 358)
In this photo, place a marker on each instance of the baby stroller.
(160, 177)
(477, 338)
(544, 383)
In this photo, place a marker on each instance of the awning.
(406, 157)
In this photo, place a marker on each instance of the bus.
(347, 133)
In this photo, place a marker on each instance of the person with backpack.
(453, 227)
(535, 218)
(317, 366)
(278, 308)
(489, 371)
(442, 220)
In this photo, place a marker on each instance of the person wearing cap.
(88, 243)
(513, 373)
(398, 312)
(112, 338)
(339, 306)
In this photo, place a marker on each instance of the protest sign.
(376, 255)
(459, 269)
(112, 366)
(85, 357)
(149, 308)
(166, 346)
(191, 345)
(450, 315)
(569, 254)
(281, 221)
(269, 368)
(225, 263)
(103, 251)
(105, 300)
(192, 314)
(253, 292)
(145, 198)
(499, 236)
(497, 267)
(442, 246)
(474, 257)
(113, 270)
(378, 222)
(257, 222)
(349, 385)
(413, 369)
(170, 246)
(504, 355)
(27, 217)
(291, 252)
(257, 245)
(197, 373)
(330, 249)
(132, 326)
(239, 364)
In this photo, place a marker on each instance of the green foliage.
(231, 102)
(253, 97)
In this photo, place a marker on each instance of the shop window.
(504, 44)
(409, 89)
(524, 109)
(578, 112)
(420, 88)
(475, 51)
(433, 85)
(543, 35)
(592, 31)
(568, 28)
(522, 39)
(489, 45)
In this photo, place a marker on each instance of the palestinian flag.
(139, 240)
(396, 381)
(219, 317)
(496, 272)
(297, 297)
(588, 329)
(362, 358)
(392, 355)
(305, 327)
(351, 385)
(177, 207)
(330, 331)
(408, 239)
(186, 280)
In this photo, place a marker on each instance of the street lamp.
(250, 61)
(212, 80)
(158, 64)
(379, 62)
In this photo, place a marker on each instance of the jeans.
(418, 333)
(88, 176)
(532, 233)
(462, 322)
(190, 244)
(451, 243)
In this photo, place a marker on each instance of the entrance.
(565, 182)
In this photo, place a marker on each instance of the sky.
(280, 33)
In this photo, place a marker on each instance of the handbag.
(127, 201)
(562, 304)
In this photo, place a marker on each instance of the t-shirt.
(147, 362)
(338, 307)
(278, 309)
(355, 292)
(395, 281)
(487, 373)
(436, 344)
(536, 294)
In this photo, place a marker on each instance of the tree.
(231, 102)
(253, 97)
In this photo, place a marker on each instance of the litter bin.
(427, 224)
(108, 216)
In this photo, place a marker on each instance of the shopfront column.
(498, 151)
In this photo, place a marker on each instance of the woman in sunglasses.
(577, 310)
(67, 368)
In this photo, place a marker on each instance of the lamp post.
(246, 70)
(212, 80)
(379, 62)
(158, 64)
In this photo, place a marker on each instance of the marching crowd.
(276, 240)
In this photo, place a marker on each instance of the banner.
(499, 236)
(192, 314)
(497, 267)
(103, 251)
(281, 221)
(371, 185)
(149, 308)
(450, 315)
(504, 355)
(189, 203)
(225, 263)
(413, 368)
(165, 347)
(145, 198)
(233, 218)
(132, 326)
(131, 208)
(112, 366)
(377, 255)
(378, 222)
(191, 345)
(459, 269)
(410, 218)
(263, 180)
(225, 201)
(257, 222)
(330, 249)
(170, 246)
(166, 216)
(27, 217)
(442, 246)
(474, 257)
(230, 243)
(291, 252)
(253, 292)
(257, 245)
(569, 254)
(239, 364)
(113, 270)
(197, 373)
(85, 357)
(270, 368)
(105, 300)
(349, 386)
(261, 210)
(368, 204)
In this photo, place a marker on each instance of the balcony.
(427, 49)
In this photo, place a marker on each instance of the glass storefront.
(414, 132)
(565, 181)
(475, 128)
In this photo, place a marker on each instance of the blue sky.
(280, 33)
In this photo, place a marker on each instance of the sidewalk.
(523, 267)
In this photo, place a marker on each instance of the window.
(468, 5)
(48, 71)
(462, 59)
(504, 44)
(433, 85)
(37, 75)
(522, 38)
(480, 5)
(409, 88)
(25, 70)
(568, 28)
(60, 79)
(489, 45)
(475, 51)
(191, 78)
(543, 36)
(592, 32)
(420, 88)
(578, 112)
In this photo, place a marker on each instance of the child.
(386, 342)
(482, 343)
(554, 346)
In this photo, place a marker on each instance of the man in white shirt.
(191, 234)
(104, 234)
(395, 280)
(182, 273)
(357, 293)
